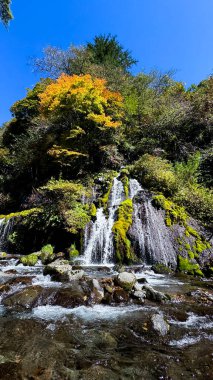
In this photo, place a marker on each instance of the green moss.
(120, 228)
(191, 231)
(191, 254)
(47, 254)
(29, 260)
(200, 246)
(161, 269)
(73, 251)
(104, 200)
(174, 213)
(22, 213)
(125, 180)
(47, 249)
(3, 255)
(93, 210)
(185, 265)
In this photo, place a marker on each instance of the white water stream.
(5, 229)
(98, 239)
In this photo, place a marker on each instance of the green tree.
(5, 12)
(106, 50)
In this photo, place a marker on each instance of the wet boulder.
(47, 254)
(71, 296)
(24, 299)
(120, 295)
(97, 291)
(154, 295)
(159, 325)
(126, 280)
(140, 295)
(61, 270)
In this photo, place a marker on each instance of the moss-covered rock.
(29, 260)
(188, 266)
(47, 254)
(125, 180)
(93, 210)
(73, 252)
(123, 250)
(174, 213)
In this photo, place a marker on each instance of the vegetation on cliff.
(88, 116)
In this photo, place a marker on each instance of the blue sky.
(163, 34)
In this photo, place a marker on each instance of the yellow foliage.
(84, 95)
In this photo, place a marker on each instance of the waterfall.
(5, 228)
(98, 240)
(149, 233)
(151, 239)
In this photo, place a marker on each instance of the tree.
(5, 12)
(86, 114)
(106, 50)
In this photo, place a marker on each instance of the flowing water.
(149, 234)
(98, 235)
(49, 336)
(5, 229)
(50, 340)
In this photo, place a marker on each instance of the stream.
(53, 338)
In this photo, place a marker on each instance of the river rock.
(61, 270)
(138, 287)
(97, 292)
(159, 324)
(71, 296)
(24, 299)
(120, 295)
(126, 280)
(154, 295)
(140, 295)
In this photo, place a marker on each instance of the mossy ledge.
(125, 180)
(22, 214)
(191, 241)
(123, 250)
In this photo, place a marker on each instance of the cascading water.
(98, 235)
(5, 228)
(150, 237)
(149, 232)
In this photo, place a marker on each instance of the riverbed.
(105, 341)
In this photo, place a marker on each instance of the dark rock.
(120, 295)
(71, 296)
(142, 280)
(154, 295)
(24, 299)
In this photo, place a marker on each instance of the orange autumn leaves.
(85, 96)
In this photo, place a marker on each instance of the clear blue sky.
(163, 34)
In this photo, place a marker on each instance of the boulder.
(24, 299)
(97, 292)
(120, 295)
(140, 295)
(29, 260)
(71, 296)
(126, 280)
(159, 324)
(61, 270)
(154, 295)
(47, 255)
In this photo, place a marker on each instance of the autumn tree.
(87, 112)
